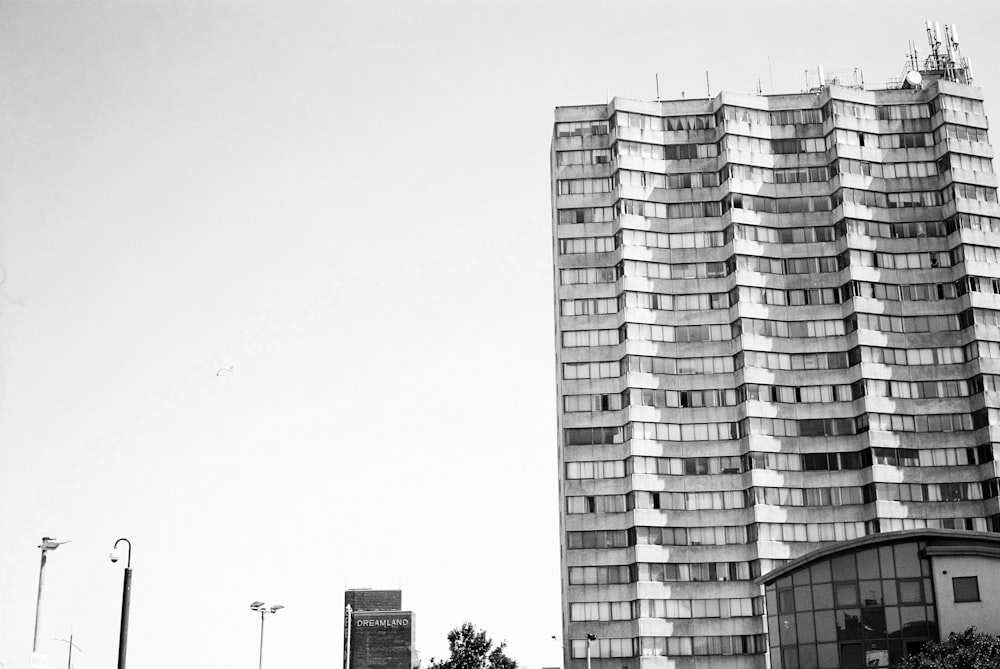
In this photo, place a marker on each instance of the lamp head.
(50, 544)
(277, 607)
(257, 606)
(115, 555)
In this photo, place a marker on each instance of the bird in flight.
(225, 369)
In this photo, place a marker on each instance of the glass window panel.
(826, 626)
(907, 562)
(820, 572)
(886, 561)
(871, 593)
(868, 564)
(803, 598)
(844, 568)
(909, 592)
(846, 594)
(829, 658)
(848, 624)
(822, 596)
(807, 630)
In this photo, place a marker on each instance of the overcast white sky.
(348, 203)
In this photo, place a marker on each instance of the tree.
(968, 650)
(472, 649)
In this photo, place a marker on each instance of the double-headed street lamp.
(126, 598)
(264, 609)
(48, 544)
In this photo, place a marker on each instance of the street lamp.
(590, 637)
(48, 544)
(264, 609)
(69, 661)
(126, 598)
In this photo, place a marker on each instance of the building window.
(966, 588)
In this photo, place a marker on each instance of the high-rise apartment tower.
(777, 326)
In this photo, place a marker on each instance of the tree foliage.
(472, 649)
(968, 650)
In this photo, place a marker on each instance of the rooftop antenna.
(708, 85)
(770, 74)
(657, 86)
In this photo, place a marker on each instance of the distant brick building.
(378, 634)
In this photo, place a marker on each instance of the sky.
(276, 299)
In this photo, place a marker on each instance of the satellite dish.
(912, 79)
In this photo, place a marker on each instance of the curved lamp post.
(264, 609)
(69, 661)
(48, 544)
(126, 598)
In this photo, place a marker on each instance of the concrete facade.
(777, 327)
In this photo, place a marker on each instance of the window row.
(758, 233)
(905, 230)
(801, 328)
(788, 175)
(866, 168)
(682, 302)
(946, 422)
(677, 333)
(728, 607)
(964, 161)
(673, 646)
(657, 270)
(914, 292)
(906, 140)
(671, 210)
(585, 275)
(669, 123)
(926, 492)
(764, 117)
(661, 180)
(584, 157)
(586, 245)
(585, 186)
(586, 215)
(685, 431)
(826, 496)
(764, 264)
(650, 365)
(589, 306)
(881, 113)
(916, 389)
(811, 532)
(672, 240)
(666, 151)
(925, 260)
(591, 370)
(672, 572)
(907, 324)
(797, 394)
(805, 427)
(687, 501)
(954, 103)
(581, 128)
(681, 399)
(581, 338)
(725, 535)
(869, 198)
(796, 462)
(791, 361)
(786, 297)
(898, 524)
(772, 146)
(664, 573)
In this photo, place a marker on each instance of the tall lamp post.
(264, 609)
(48, 544)
(590, 638)
(126, 598)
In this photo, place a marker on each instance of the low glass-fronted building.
(869, 602)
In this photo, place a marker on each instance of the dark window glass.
(966, 588)
(909, 592)
(826, 629)
(907, 562)
(807, 631)
(848, 624)
(828, 656)
(846, 594)
(786, 601)
(822, 596)
(820, 572)
(868, 564)
(885, 559)
(803, 598)
(844, 568)
(851, 655)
